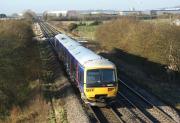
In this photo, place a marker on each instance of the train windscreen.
(100, 76)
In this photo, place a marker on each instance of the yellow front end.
(107, 92)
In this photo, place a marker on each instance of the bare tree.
(29, 15)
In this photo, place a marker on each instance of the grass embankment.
(86, 31)
(19, 67)
(150, 52)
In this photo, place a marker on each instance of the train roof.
(83, 55)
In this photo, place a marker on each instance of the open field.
(84, 28)
(86, 31)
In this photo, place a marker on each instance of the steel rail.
(132, 104)
(148, 102)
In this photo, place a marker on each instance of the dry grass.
(36, 111)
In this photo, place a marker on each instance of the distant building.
(98, 12)
(73, 13)
(76, 13)
(165, 11)
(147, 12)
(56, 13)
(106, 12)
(128, 13)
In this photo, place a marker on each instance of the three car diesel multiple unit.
(95, 76)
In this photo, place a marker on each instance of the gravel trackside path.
(75, 112)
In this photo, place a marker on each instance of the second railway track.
(131, 113)
(154, 113)
(106, 115)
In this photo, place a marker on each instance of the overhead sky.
(15, 6)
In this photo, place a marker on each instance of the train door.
(77, 73)
(81, 79)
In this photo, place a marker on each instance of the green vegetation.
(72, 26)
(149, 53)
(87, 31)
(96, 22)
(19, 65)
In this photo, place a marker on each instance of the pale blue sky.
(12, 6)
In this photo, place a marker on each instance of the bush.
(72, 26)
(95, 23)
(82, 23)
(19, 59)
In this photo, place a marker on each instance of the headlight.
(110, 89)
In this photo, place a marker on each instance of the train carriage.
(95, 76)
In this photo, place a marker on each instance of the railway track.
(52, 28)
(106, 115)
(44, 61)
(154, 113)
(48, 33)
(131, 113)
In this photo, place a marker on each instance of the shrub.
(72, 26)
(82, 23)
(19, 63)
(96, 22)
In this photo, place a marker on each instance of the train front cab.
(100, 85)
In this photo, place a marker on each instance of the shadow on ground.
(53, 73)
(152, 76)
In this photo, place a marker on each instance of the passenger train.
(95, 76)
